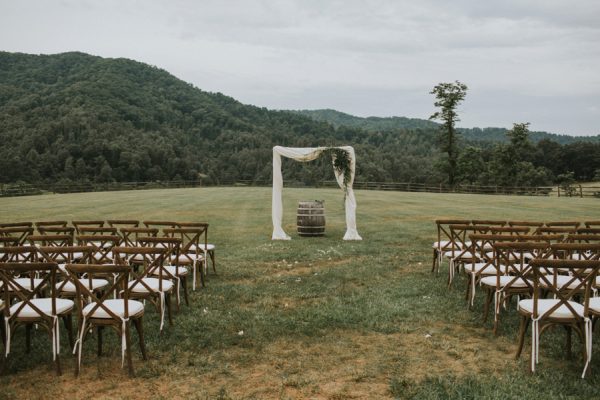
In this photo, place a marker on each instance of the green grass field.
(310, 318)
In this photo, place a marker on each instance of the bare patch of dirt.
(341, 365)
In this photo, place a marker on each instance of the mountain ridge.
(476, 134)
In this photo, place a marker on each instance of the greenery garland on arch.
(341, 163)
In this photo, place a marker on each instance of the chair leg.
(68, 322)
(57, 360)
(568, 341)
(99, 330)
(128, 349)
(435, 256)
(140, 329)
(183, 280)
(168, 305)
(2, 334)
(468, 292)
(212, 259)
(488, 301)
(177, 286)
(522, 331)
(28, 328)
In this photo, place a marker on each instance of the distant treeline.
(73, 117)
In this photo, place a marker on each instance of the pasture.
(311, 317)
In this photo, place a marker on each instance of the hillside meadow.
(310, 318)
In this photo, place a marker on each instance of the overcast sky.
(532, 61)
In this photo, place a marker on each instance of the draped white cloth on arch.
(304, 154)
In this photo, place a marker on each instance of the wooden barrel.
(311, 218)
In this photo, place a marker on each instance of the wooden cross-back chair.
(57, 230)
(103, 245)
(97, 230)
(561, 309)
(550, 238)
(16, 225)
(8, 241)
(103, 311)
(50, 240)
(582, 238)
(444, 242)
(190, 239)
(155, 288)
(514, 257)
(131, 236)
(123, 223)
(554, 230)
(567, 224)
(46, 224)
(173, 271)
(204, 246)
(22, 254)
(18, 232)
(589, 231)
(531, 224)
(160, 225)
(72, 255)
(483, 264)
(576, 251)
(90, 223)
(488, 222)
(460, 252)
(31, 309)
(509, 230)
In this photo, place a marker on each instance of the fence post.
(558, 190)
(580, 192)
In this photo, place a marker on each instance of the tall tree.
(448, 96)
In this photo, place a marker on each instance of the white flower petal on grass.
(241, 333)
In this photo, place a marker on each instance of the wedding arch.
(344, 164)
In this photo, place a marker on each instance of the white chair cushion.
(45, 306)
(484, 268)
(561, 282)
(25, 283)
(464, 255)
(152, 283)
(105, 245)
(211, 247)
(171, 269)
(188, 259)
(99, 255)
(96, 284)
(117, 306)
(544, 305)
(504, 280)
(595, 304)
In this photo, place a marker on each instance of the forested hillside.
(481, 135)
(73, 117)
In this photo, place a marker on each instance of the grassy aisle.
(310, 318)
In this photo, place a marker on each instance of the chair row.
(554, 282)
(41, 285)
(128, 231)
(452, 234)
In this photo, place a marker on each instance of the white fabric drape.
(303, 155)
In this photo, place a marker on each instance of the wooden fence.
(9, 190)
